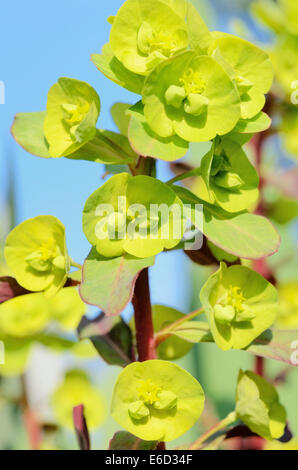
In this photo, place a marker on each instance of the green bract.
(145, 33)
(123, 216)
(67, 308)
(36, 253)
(251, 70)
(72, 111)
(229, 179)
(191, 96)
(76, 390)
(156, 400)
(240, 304)
(257, 405)
(24, 315)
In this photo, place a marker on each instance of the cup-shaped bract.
(191, 96)
(24, 315)
(284, 59)
(76, 389)
(249, 66)
(240, 305)
(144, 33)
(156, 400)
(257, 405)
(73, 108)
(36, 253)
(67, 308)
(138, 215)
(230, 180)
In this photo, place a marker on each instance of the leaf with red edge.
(111, 337)
(123, 440)
(279, 345)
(81, 427)
(9, 288)
(108, 283)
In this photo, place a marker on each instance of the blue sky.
(42, 41)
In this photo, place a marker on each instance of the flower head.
(130, 220)
(240, 305)
(228, 177)
(36, 253)
(156, 400)
(191, 96)
(249, 66)
(76, 389)
(72, 111)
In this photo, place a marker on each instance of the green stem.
(230, 419)
(74, 264)
(187, 174)
(163, 334)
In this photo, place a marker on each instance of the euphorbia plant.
(195, 86)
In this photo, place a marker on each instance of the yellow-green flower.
(36, 253)
(156, 400)
(240, 305)
(73, 108)
(76, 389)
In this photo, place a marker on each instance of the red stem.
(143, 318)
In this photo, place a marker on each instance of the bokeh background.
(40, 42)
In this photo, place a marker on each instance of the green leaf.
(27, 129)
(110, 66)
(147, 143)
(109, 283)
(194, 332)
(283, 210)
(106, 147)
(123, 440)
(120, 116)
(243, 235)
(257, 405)
(110, 336)
(259, 123)
(275, 344)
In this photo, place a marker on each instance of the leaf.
(81, 427)
(9, 288)
(109, 283)
(194, 332)
(120, 117)
(110, 66)
(259, 123)
(111, 337)
(275, 344)
(106, 146)
(123, 440)
(27, 129)
(147, 143)
(243, 235)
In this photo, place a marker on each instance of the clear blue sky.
(40, 42)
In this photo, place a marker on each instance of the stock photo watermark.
(153, 222)
(2, 92)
